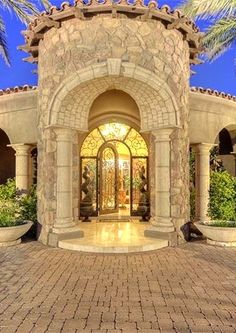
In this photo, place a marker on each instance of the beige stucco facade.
(116, 64)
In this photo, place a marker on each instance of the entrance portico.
(103, 67)
(112, 58)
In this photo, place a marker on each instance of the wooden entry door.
(108, 179)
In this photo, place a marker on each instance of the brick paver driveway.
(191, 288)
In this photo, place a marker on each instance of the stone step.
(114, 218)
(54, 238)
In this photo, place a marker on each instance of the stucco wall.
(208, 116)
(18, 116)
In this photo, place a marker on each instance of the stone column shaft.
(162, 220)
(234, 155)
(202, 179)
(64, 214)
(22, 165)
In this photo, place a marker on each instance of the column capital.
(21, 148)
(163, 133)
(203, 147)
(63, 133)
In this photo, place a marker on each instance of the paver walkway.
(190, 288)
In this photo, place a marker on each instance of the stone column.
(64, 207)
(202, 179)
(162, 220)
(234, 155)
(22, 165)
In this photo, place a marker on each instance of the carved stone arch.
(71, 102)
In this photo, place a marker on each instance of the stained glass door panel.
(108, 179)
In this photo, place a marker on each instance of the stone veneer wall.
(78, 44)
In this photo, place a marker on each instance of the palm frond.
(46, 3)
(3, 44)
(206, 9)
(220, 37)
(23, 9)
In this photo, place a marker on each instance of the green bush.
(229, 224)
(192, 202)
(222, 204)
(8, 190)
(28, 204)
(9, 213)
(15, 207)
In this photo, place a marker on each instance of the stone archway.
(227, 148)
(71, 102)
(67, 119)
(7, 165)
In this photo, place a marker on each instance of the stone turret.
(85, 49)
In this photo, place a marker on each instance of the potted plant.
(13, 224)
(221, 228)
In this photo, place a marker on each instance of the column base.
(162, 224)
(162, 228)
(61, 224)
(171, 237)
(63, 233)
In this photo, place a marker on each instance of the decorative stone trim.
(115, 73)
(172, 19)
(211, 92)
(206, 91)
(17, 89)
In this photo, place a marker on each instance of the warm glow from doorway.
(126, 139)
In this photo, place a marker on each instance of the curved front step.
(113, 237)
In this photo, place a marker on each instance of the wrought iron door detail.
(114, 172)
(108, 180)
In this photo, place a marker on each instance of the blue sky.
(220, 75)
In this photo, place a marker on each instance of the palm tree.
(24, 10)
(221, 33)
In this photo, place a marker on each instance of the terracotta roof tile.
(17, 89)
(212, 92)
(201, 90)
(84, 9)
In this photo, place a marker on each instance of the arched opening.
(227, 149)
(111, 104)
(225, 142)
(7, 156)
(114, 169)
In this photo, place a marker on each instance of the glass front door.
(108, 180)
(114, 172)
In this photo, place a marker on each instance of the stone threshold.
(84, 245)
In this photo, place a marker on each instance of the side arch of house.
(213, 121)
(18, 133)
